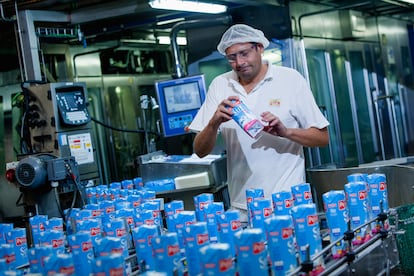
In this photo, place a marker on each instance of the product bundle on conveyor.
(125, 230)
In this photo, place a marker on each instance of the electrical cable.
(122, 129)
(58, 203)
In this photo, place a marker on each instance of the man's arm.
(206, 139)
(310, 137)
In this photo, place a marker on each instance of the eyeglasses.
(243, 54)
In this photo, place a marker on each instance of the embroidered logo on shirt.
(274, 102)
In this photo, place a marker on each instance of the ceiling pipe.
(184, 25)
(4, 17)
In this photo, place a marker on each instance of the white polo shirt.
(269, 162)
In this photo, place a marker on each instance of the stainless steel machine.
(197, 175)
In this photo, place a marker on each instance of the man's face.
(245, 59)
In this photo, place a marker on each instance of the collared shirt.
(271, 163)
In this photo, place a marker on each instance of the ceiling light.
(408, 1)
(187, 5)
(166, 40)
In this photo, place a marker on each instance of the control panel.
(179, 122)
(72, 107)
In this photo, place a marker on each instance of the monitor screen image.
(184, 96)
(179, 101)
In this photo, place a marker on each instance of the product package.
(282, 202)
(358, 208)
(302, 194)
(252, 256)
(195, 237)
(246, 119)
(334, 203)
(281, 244)
(307, 233)
(217, 259)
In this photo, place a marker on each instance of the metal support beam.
(28, 39)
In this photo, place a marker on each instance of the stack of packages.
(123, 218)
(363, 198)
(212, 241)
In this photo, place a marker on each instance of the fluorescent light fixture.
(167, 41)
(408, 1)
(187, 5)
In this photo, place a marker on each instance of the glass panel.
(396, 115)
(100, 138)
(344, 107)
(320, 86)
(122, 111)
(363, 109)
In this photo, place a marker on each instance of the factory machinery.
(57, 158)
(58, 163)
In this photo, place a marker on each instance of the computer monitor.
(179, 101)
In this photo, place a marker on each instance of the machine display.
(72, 105)
(179, 101)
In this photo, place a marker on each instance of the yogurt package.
(246, 119)
(200, 201)
(54, 238)
(228, 224)
(261, 209)
(251, 252)
(37, 225)
(281, 244)
(195, 236)
(4, 229)
(116, 228)
(337, 219)
(109, 265)
(302, 194)
(378, 198)
(282, 202)
(358, 208)
(143, 236)
(37, 256)
(167, 255)
(171, 208)
(182, 220)
(17, 238)
(60, 264)
(217, 259)
(211, 211)
(307, 233)
(252, 195)
(82, 252)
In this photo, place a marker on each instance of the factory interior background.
(358, 57)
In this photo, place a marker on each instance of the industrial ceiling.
(108, 16)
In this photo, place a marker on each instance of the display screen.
(185, 96)
(179, 101)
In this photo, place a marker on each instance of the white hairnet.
(241, 33)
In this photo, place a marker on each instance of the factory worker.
(281, 99)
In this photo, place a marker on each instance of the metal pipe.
(184, 25)
(4, 17)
